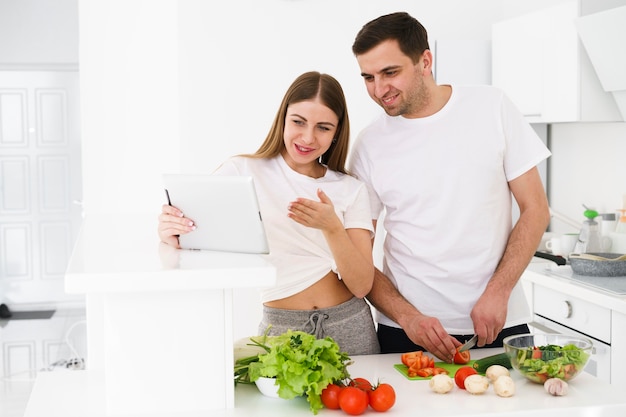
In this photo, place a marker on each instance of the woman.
(317, 219)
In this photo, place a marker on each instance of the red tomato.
(461, 358)
(462, 373)
(353, 401)
(330, 396)
(361, 383)
(537, 354)
(383, 397)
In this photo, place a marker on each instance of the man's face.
(393, 80)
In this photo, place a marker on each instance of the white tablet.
(225, 210)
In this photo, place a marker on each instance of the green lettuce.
(301, 364)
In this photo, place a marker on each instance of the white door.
(40, 184)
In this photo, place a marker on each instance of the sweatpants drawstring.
(316, 321)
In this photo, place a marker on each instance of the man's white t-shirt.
(442, 181)
(300, 254)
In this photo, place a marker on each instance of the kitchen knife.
(469, 344)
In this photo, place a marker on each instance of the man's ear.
(426, 61)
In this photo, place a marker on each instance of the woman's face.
(310, 127)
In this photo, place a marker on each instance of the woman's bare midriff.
(329, 291)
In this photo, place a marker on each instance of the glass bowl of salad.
(543, 356)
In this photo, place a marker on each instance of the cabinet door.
(518, 62)
(539, 62)
(40, 177)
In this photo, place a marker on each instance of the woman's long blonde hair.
(308, 86)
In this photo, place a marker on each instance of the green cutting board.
(450, 367)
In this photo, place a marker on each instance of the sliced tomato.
(424, 372)
(438, 371)
(415, 361)
(570, 371)
(537, 353)
(461, 358)
(409, 358)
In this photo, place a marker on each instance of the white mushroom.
(441, 383)
(504, 386)
(476, 384)
(494, 371)
(556, 386)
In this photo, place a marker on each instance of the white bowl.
(267, 386)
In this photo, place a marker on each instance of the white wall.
(181, 85)
(232, 87)
(35, 32)
(588, 167)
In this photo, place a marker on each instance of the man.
(443, 163)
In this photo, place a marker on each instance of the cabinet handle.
(567, 310)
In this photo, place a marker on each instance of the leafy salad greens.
(301, 364)
(552, 361)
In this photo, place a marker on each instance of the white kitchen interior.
(178, 86)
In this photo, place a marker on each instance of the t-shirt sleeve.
(358, 215)
(524, 148)
(360, 168)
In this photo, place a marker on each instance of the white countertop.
(123, 254)
(550, 275)
(78, 394)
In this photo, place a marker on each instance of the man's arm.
(423, 330)
(489, 313)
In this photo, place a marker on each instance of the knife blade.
(469, 344)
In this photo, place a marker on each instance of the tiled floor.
(14, 394)
(32, 343)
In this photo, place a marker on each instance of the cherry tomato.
(330, 396)
(361, 383)
(383, 397)
(462, 373)
(353, 401)
(461, 358)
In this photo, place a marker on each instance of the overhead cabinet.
(539, 61)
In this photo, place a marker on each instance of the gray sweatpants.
(350, 324)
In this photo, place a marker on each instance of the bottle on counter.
(589, 239)
(608, 223)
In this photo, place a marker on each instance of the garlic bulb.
(556, 386)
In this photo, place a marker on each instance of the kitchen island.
(159, 320)
(79, 394)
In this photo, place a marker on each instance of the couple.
(442, 162)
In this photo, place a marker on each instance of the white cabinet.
(452, 57)
(539, 61)
(562, 305)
